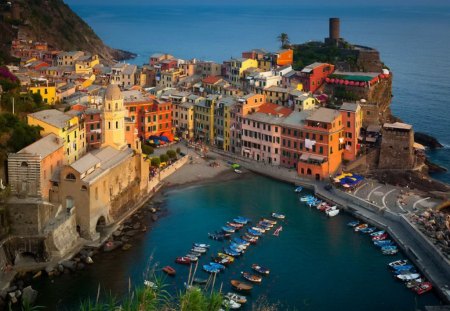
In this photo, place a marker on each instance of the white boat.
(332, 212)
(298, 189)
(231, 304)
(200, 250)
(236, 298)
(408, 277)
(202, 245)
(397, 263)
(238, 171)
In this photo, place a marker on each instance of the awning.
(246, 150)
(317, 157)
(304, 157)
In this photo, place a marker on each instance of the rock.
(84, 252)
(12, 297)
(154, 218)
(60, 268)
(80, 266)
(29, 294)
(117, 233)
(427, 140)
(50, 269)
(124, 239)
(153, 210)
(10, 289)
(37, 275)
(18, 293)
(69, 264)
(131, 233)
(127, 247)
(136, 226)
(89, 260)
(112, 246)
(144, 229)
(76, 259)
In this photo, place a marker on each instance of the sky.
(331, 3)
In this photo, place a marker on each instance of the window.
(92, 126)
(24, 164)
(321, 150)
(70, 176)
(348, 123)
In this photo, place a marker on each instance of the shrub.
(155, 161)
(178, 150)
(146, 149)
(164, 158)
(171, 154)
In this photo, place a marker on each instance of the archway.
(317, 176)
(69, 203)
(101, 224)
(308, 171)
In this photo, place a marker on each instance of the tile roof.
(53, 117)
(211, 79)
(44, 146)
(274, 109)
(349, 107)
(325, 115)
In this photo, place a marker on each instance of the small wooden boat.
(238, 246)
(383, 243)
(241, 220)
(397, 263)
(235, 297)
(183, 260)
(200, 281)
(216, 237)
(278, 216)
(196, 254)
(254, 232)
(250, 239)
(241, 286)
(266, 224)
(388, 247)
(222, 261)
(217, 265)
(235, 225)
(231, 304)
(228, 229)
(277, 232)
(423, 287)
(298, 189)
(376, 233)
(414, 283)
(202, 245)
(404, 268)
(260, 269)
(380, 237)
(273, 222)
(225, 256)
(408, 277)
(353, 223)
(211, 269)
(332, 212)
(231, 252)
(368, 230)
(390, 252)
(251, 277)
(192, 258)
(238, 171)
(361, 226)
(241, 241)
(169, 270)
(200, 250)
(259, 229)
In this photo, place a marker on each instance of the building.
(32, 169)
(208, 68)
(68, 58)
(93, 123)
(186, 120)
(291, 140)
(69, 128)
(158, 57)
(169, 78)
(45, 89)
(352, 118)
(124, 75)
(323, 144)
(237, 66)
(397, 146)
(300, 101)
(204, 118)
(283, 57)
(261, 133)
(245, 105)
(277, 95)
(222, 120)
(85, 64)
(314, 75)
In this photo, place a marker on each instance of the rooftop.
(53, 117)
(44, 146)
(325, 115)
(297, 118)
(349, 107)
(312, 66)
(398, 126)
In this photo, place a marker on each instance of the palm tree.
(284, 39)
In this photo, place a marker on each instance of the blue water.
(413, 41)
(317, 263)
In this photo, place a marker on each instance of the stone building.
(397, 146)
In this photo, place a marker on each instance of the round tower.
(335, 25)
(114, 118)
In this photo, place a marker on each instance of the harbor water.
(317, 263)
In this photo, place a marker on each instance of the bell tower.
(114, 118)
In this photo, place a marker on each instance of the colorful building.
(69, 128)
(291, 139)
(352, 117)
(314, 75)
(283, 57)
(204, 118)
(46, 90)
(237, 68)
(323, 144)
(222, 120)
(261, 133)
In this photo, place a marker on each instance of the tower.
(113, 118)
(334, 37)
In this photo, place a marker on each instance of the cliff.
(54, 22)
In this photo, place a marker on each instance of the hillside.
(54, 22)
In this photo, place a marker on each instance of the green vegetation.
(284, 40)
(171, 154)
(178, 150)
(341, 93)
(16, 133)
(156, 162)
(146, 149)
(164, 158)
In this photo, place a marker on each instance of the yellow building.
(300, 101)
(47, 91)
(238, 66)
(186, 119)
(64, 126)
(204, 118)
(170, 78)
(114, 118)
(85, 64)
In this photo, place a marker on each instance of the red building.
(93, 125)
(313, 76)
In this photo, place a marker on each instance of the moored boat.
(183, 260)
(200, 281)
(404, 268)
(414, 283)
(298, 189)
(228, 229)
(278, 216)
(384, 236)
(217, 265)
(250, 239)
(234, 225)
(332, 213)
(383, 243)
(169, 270)
(200, 250)
(254, 232)
(353, 223)
(231, 252)
(231, 304)
(235, 297)
(241, 286)
(260, 269)
(251, 277)
(277, 232)
(241, 220)
(273, 222)
(237, 171)
(378, 233)
(192, 257)
(361, 226)
(408, 277)
(397, 263)
(211, 269)
(202, 245)
(390, 252)
(241, 241)
(368, 230)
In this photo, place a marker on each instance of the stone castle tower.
(114, 118)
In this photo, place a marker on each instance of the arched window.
(24, 164)
(70, 176)
(83, 188)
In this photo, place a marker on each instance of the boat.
(200, 250)
(378, 233)
(200, 281)
(230, 304)
(422, 288)
(408, 277)
(277, 232)
(241, 241)
(211, 269)
(250, 239)
(192, 257)
(266, 224)
(237, 248)
(380, 237)
(272, 222)
(241, 220)
(231, 252)
(307, 198)
(254, 232)
(235, 225)
(217, 265)
(404, 268)
(390, 252)
(183, 260)
(235, 297)
(225, 256)
(298, 189)
(368, 230)
(361, 226)
(383, 243)
(353, 223)
(414, 283)
(397, 263)
(278, 216)
(222, 261)
(202, 245)
(259, 229)
(260, 269)
(228, 229)
(216, 237)
(332, 213)
(251, 277)
(169, 270)
(237, 171)
(241, 286)
(388, 247)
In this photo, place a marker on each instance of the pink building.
(261, 133)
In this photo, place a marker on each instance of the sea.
(316, 263)
(413, 42)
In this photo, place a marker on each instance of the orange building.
(314, 75)
(323, 144)
(284, 57)
(352, 121)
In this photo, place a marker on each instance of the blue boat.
(403, 268)
(254, 232)
(383, 243)
(228, 229)
(231, 252)
(377, 233)
(217, 265)
(298, 189)
(241, 241)
(241, 220)
(211, 269)
(237, 248)
(353, 223)
(388, 248)
(368, 230)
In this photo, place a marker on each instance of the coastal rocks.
(434, 224)
(427, 140)
(154, 218)
(89, 260)
(126, 247)
(37, 275)
(29, 294)
(112, 245)
(70, 265)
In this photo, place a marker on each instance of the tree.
(284, 39)
(178, 150)
(156, 162)
(164, 158)
(146, 149)
(171, 154)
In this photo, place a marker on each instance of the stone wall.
(397, 150)
(15, 246)
(63, 236)
(364, 163)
